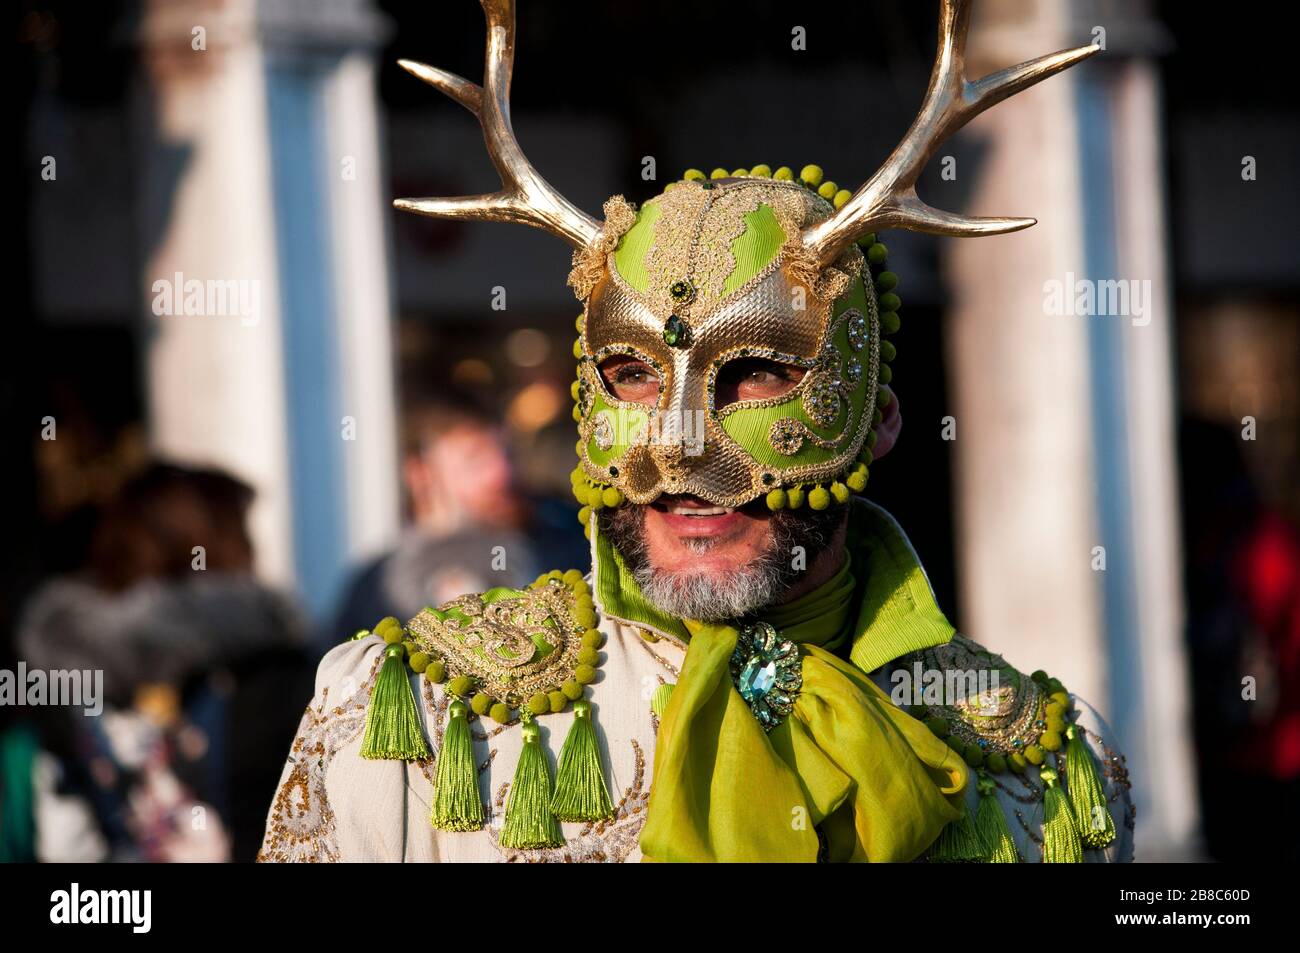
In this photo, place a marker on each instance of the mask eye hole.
(755, 378)
(630, 379)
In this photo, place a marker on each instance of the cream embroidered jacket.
(334, 805)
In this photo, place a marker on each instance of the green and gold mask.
(706, 273)
(741, 264)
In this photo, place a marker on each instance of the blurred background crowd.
(206, 493)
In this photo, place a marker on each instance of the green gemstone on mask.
(674, 331)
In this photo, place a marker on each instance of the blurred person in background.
(1243, 633)
(202, 666)
(468, 525)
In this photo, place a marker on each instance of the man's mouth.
(684, 509)
(691, 516)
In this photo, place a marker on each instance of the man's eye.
(631, 380)
(755, 379)
(631, 375)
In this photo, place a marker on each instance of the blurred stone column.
(263, 184)
(1065, 429)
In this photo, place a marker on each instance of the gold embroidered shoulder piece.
(1004, 722)
(992, 714)
(517, 648)
(532, 651)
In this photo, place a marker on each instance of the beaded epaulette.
(511, 655)
(1007, 725)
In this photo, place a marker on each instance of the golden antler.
(889, 199)
(526, 197)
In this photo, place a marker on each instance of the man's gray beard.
(713, 596)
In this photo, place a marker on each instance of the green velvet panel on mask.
(750, 428)
(629, 257)
(757, 245)
(626, 423)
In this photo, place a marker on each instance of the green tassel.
(991, 825)
(1061, 843)
(1087, 796)
(456, 802)
(580, 791)
(958, 843)
(392, 721)
(529, 823)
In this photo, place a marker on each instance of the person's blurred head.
(455, 466)
(150, 529)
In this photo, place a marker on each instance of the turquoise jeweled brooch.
(768, 673)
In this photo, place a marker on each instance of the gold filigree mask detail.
(710, 273)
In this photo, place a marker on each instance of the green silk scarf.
(848, 776)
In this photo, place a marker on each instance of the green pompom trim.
(460, 686)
